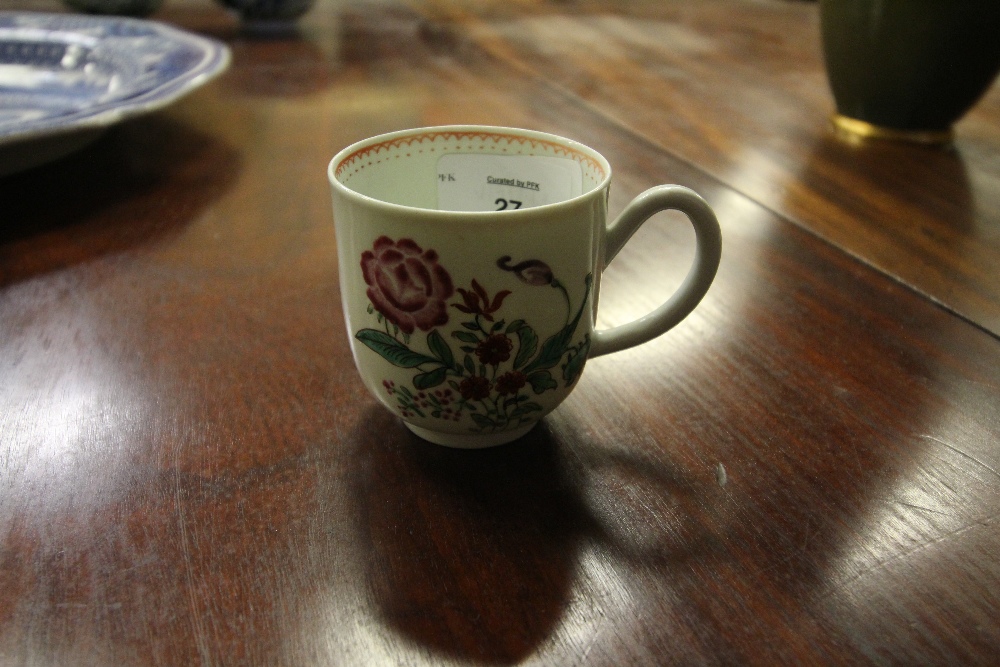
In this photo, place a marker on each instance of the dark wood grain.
(739, 89)
(191, 472)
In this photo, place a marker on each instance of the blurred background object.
(277, 11)
(908, 69)
(269, 10)
(118, 7)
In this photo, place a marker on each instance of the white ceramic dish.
(64, 78)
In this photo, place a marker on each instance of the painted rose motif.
(406, 284)
(487, 368)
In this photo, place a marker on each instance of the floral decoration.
(485, 367)
(406, 285)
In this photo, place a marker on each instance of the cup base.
(472, 440)
(860, 130)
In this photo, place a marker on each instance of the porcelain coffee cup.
(470, 263)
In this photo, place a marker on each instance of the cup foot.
(855, 129)
(471, 440)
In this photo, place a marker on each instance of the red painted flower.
(477, 301)
(494, 350)
(475, 388)
(511, 382)
(406, 284)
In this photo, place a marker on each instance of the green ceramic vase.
(909, 69)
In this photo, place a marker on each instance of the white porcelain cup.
(470, 262)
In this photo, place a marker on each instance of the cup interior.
(469, 169)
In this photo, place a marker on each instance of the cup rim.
(389, 137)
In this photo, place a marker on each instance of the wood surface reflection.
(191, 471)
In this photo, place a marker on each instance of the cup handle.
(695, 285)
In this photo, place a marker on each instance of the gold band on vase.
(862, 130)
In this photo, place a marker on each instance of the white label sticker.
(475, 182)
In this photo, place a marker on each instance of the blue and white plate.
(64, 78)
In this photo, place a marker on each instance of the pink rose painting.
(486, 367)
(406, 284)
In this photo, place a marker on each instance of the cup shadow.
(474, 554)
(471, 553)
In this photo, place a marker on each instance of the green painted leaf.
(527, 408)
(439, 348)
(465, 336)
(514, 326)
(556, 345)
(482, 420)
(527, 345)
(392, 350)
(431, 379)
(553, 349)
(542, 381)
(470, 365)
(575, 362)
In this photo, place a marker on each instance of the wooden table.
(192, 473)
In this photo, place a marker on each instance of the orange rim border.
(399, 142)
